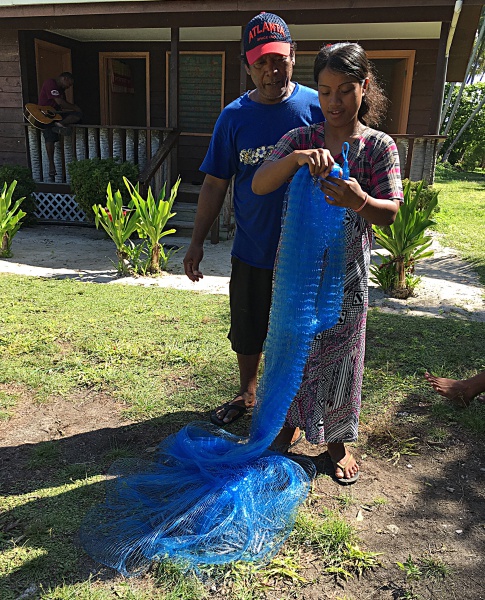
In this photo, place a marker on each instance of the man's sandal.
(341, 465)
(239, 409)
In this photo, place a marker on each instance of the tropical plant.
(406, 241)
(427, 194)
(120, 223)
(10, 218)
(152, 219)
(25, 188)
(147, 218)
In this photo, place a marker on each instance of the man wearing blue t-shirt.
(244, 135)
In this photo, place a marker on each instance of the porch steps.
(183, 221)
(185, 206)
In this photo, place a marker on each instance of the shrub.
(25, 189)
(153, 217)
(90, 179)
(148, 218)
(427, 195)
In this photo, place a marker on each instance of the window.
(201, 90)
(303, 69)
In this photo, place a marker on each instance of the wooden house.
(152, 75)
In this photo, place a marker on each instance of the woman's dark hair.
(351, 59)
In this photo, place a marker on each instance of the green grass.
(8, 401)
(164, 357)
(335, 543)
(155, 350)
(461, 218)
(417, 569)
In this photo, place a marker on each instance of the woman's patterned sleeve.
(386, 173)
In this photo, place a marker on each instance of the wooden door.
(400, 64)
(125, 92)
(51, 60)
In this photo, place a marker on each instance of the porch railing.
(135, 144)
(148, 147)
(417, 155)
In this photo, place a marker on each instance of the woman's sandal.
(283, 448)
(341, 465)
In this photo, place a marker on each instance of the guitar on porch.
(42, 116)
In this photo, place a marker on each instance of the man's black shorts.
(250, 300)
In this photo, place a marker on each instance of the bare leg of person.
(286, 438)
(459, 391)
(50, 148)
(248, 382)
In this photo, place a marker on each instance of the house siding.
(12, 139)
(424, 75)
(191, 149)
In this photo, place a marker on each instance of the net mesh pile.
(211, 497)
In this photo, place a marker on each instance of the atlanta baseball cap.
(264, 34)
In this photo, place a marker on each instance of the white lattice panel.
(58, 207)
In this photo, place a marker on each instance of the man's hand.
(192, 259)
(65, 105)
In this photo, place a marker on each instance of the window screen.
(303, 69)
(200, 90)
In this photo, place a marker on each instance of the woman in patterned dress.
(327, 405)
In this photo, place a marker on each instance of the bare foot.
(458, 391)
(345, 464)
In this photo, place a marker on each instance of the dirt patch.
(430, 506)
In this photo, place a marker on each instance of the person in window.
(244, 135)
(327, 406)
(53, 93)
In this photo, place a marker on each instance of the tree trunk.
(5, 245)
(155, 259)
(401, 273)
(459, 134)
(124, 267)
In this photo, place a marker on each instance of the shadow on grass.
(59, 481)
(403, 414)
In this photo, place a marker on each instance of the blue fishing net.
(211, 497)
